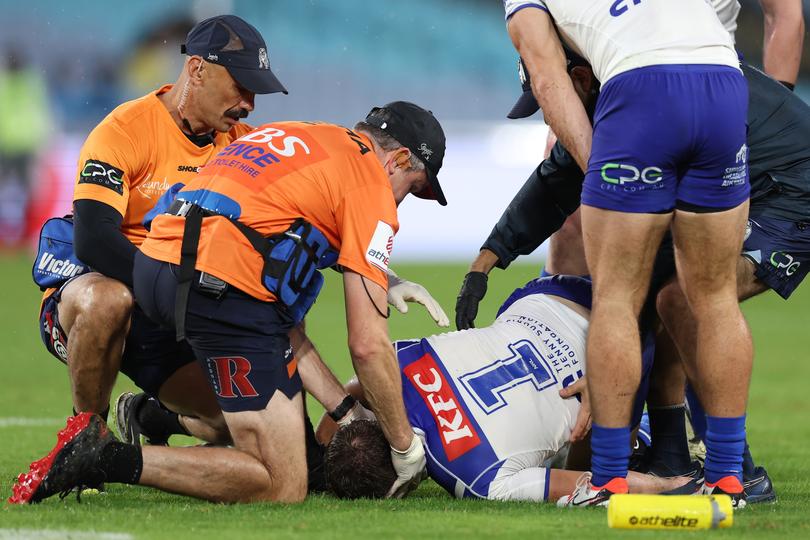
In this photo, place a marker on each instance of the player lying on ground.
(492, 405)
(775, 251)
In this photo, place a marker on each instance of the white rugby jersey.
(619, 35)
(487, 400)
(727, 12)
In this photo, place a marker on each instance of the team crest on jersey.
(456, 431)
(102, 174)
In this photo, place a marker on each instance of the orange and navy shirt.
(282, 171)
(135, 154)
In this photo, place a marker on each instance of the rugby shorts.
(780, 251)
(670, 136)
(241, 342)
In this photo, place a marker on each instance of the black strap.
(188, 260)
(342, 409)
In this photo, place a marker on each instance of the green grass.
(34, 385)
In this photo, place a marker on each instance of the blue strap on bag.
(56, 260)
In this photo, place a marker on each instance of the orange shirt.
(323, 173)
(135, 154)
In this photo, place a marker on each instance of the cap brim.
(433, 191)
(526, 106)
(258, 81)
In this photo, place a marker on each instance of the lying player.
(492, 405)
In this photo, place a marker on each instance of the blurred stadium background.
(66, 65)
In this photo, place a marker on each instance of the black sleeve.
(99, 242)
(539, 209)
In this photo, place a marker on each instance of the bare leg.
(620, 249)
(95, 312)
(188, 393)
(267, 462)
(707, 248)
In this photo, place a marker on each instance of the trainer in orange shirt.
(128, 161)
(345, 185)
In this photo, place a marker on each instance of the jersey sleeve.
(107, 162)
(367, 221)
(513, 6)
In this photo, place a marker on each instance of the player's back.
(488, 399)
(619, 35)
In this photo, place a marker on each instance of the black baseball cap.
(526, 104)
(417, 130)
(245, 59)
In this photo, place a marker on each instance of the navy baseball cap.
(526, 104)
(417, 130)
(237, 46)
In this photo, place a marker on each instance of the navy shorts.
(668, 137)
(780, 251)
(241, 342)
(151, 354)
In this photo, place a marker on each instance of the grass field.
(34, 400)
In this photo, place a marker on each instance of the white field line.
(60, 534)
(21, 421)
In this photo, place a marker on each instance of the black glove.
(472, 292)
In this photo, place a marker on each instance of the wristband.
(341, 410)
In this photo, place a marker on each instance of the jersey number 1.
(525, 364)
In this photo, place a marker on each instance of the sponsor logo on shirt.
(456, 432)
(153, 188)
(379, 249)
(102, 174)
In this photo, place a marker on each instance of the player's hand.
(583, 423)
(410, 468)
(401, 291)
(357, 412)
(472, 292)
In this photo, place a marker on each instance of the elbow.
(367, 348)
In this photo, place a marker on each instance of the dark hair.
(358, 462)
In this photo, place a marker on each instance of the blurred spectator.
(24, 119)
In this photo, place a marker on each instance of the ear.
(403, 158)
(583, 77)
(194, 69)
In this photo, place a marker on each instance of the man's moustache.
(236, 114)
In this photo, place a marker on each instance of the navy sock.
(610, 453)
(697, 413)
(725, 443)
(121, 462)
(748, 463)
(670, 448)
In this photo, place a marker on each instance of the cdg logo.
(621, 173)
(620, 7)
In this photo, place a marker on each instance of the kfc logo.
(458, 436)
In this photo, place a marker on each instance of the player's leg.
(94, 312)
(707, 254)
(267, 462)
(620, 249)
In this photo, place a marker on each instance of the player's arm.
(783, 39)
(375, 363)
(99, 242)
(533, 34)
(538, 210)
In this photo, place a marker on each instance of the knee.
(290, 490)
(106, 300)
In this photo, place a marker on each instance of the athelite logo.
(378, 252)
(622, 173)
(457, 434)
(49, 264)
(679, 522)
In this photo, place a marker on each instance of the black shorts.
(780, 251)
(151, 354)
(241, 342)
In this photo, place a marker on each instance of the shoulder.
(127, 123)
